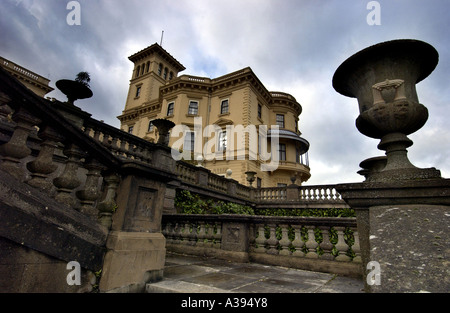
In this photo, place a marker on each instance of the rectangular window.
(259, 111)
(224, 106)
(282, 152)
(280, 120)
(258, 182)
(193, 108)
(189, 141)
(170, 109)
(138, 91)
(222, 144)
(130, 129)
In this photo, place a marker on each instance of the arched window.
(160, 69)
(142, 68)
(170, 109)
(165, 73)
(170, 75)
(148, 67)
(138, 69)
(150, 126)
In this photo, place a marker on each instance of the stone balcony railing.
(204, 182)
(318, 244)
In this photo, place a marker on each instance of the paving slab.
(190, 274)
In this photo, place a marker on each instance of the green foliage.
(189, 203)
(84, 78)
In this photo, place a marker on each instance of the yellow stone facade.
(34, 82)
(238, 98)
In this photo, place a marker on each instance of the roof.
(155, 48)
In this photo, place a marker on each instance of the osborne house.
(236, 99)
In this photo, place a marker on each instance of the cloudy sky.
(293, 46)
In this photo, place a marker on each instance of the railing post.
(311, 243)
(298, 243)
(341, 245)
(68, 179)
(91, 191)
(326, 245)
(284, 241)
(16, 149)
(43, 165)
(107, 207)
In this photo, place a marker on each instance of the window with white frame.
(222, 144)
(193, 108)
(189, 141)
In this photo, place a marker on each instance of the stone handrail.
(195, 176)
(48, 151)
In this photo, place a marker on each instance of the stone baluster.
(68, 180)
(341, 245)
(43, 165)
(218, 235)
(272, 241)
(311, 243)
(16, 149)
(192, 236)
(176, 233)
(91, 191)
(261, 239)
(326, 244)
(107, 207)
(201, 236)
(284, 241)
(298, 242)
(185, 232)
(356, 248)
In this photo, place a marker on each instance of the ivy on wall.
(191, 203)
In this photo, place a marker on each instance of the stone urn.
(383, 78)
(74, 90)
(250, 177)
(164, 126)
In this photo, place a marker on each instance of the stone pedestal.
(133, 258)
(404, 227)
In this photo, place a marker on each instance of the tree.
(84, 78)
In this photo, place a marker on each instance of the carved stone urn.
(164, 126)
(74, 90)
(383, 78)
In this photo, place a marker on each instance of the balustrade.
(328, 239)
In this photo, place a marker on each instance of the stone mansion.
(238, 98)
